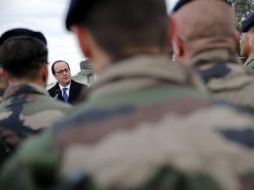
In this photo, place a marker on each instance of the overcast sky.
(48, 17)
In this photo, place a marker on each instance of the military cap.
(248, 22)
(22, 32)
(78, 10)
(182, 3)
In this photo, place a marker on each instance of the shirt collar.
(68, 86)
(214, 55)
(24, 88)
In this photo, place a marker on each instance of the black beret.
(22, 32)
(78, 10)
(248, 22)
(181, 3)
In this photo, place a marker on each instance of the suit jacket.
(75, 90)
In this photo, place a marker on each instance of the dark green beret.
(247, 23)
(22, 32)
(180, 4)
(78, 10)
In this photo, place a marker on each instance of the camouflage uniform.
(249, 63)
(143, 127)
(25, 110)
(225, 77)
(2, 89)
(1, 95)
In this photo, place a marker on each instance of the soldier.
(145, 125)
(26, 107)
(207, 42)
(247, 41)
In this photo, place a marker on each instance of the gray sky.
(48, 17)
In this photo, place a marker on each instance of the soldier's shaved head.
(200, 21)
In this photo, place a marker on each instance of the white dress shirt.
(68, 89)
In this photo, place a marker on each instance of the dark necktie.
(65, 96)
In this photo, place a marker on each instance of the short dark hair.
(119, 25)
(22, 57)
(53, 66)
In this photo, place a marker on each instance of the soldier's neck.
(26, 81)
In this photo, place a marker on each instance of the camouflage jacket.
(224, 76)
(249, 63)
(146, 127)
(1, 94)
(25, 110)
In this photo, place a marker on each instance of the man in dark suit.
(66, 90)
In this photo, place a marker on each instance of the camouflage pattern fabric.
(145, 126)
(25, 110)
(1, 94)
(249, 63)
(225, 77)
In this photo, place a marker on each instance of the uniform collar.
(23, 88)
(140, 72)
(249, 60)
(216, 56)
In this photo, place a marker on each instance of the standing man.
(206, 39)
(26, 108)
(66, 90)
(247, 41)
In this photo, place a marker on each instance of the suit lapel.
(57, 87)
(72, 93)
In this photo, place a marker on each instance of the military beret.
(78, 10)
(182, 3)
(247, 23)
(22, 32)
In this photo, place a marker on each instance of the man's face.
(244, 44)
(62, 73)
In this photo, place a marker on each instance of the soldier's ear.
(44, 74)
(5, 77)
(177, 43)
(171, 29)
(83, 40)
(236, 37)
(178, 47)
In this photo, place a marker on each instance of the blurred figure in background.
(206, 39)
(26, 107)
(86, 74)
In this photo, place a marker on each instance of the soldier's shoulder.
(44, 111)
(75, 83)
(184, 144)
(47, 102)
(249, 65)
(127, 102)
(238, 76)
